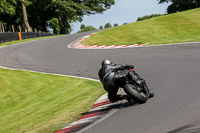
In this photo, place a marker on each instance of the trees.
(7, 7)
(108, 25)
(115, 25)
(26, 22)
(7, 11)
(100, 27)
(54, 23)
(180, 5)
(86, 28)
(68, 11)
(39, 12)
(148, 17)
(82, 26)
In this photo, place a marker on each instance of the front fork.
(137, 76)
(141, 83)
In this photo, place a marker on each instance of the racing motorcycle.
(137, 89)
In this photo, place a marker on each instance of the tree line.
(175, 6)
(84, 28)
(180, 5)
(58, 14)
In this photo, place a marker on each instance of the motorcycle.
(137, 89)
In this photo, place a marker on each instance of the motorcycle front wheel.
(136, 95)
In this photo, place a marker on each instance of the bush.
(54, 23)
(87, 28)
(149, 16)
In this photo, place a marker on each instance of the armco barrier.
(11, 36)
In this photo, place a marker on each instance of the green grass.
(24, 40)
(174, 28)
(38, 103)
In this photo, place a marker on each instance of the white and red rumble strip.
(77, 45)
(99, 108)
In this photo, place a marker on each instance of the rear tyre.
(138, 96)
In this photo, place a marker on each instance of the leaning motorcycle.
(137, 89)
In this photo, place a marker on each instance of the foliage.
(82, 26)
(1, 22)
(86, 28)
(7, 7)
(100, 27)
(180, 5)
(148, 17)
(115, 25)
(108, 25)
(68, 11)
(26, 2)
(54, 23)
(41, 12)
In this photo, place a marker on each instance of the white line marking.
(50, 73)
(160, 45)
(102, 98)
(98, 121)
(86, 120)
(80, 46)
(16, 44)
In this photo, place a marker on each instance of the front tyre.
(136, 95)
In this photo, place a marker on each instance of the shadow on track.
(193, 127)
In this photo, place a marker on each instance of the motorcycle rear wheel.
(131, 90)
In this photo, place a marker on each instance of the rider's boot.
(151, 94)
(128, 98)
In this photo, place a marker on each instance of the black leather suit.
(112, 77)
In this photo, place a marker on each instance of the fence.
(11, 33)
(14, 28)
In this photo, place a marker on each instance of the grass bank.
(174, 28)
(34, 102)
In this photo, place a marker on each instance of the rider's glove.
(125, 66)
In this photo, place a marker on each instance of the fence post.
(20, 35)
(13, 28)
(0, 28)
(20, 30)
(3, 28)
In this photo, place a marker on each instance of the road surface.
(172, 72)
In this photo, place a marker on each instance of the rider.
(112, 77)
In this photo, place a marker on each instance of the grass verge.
(37, 103)
(174, 28)
(25, 40)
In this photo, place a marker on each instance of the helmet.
(106, 62)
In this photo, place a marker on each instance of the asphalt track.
(172, 72)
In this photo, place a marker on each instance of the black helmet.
(106, 62)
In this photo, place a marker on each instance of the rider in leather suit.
(112, 75)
